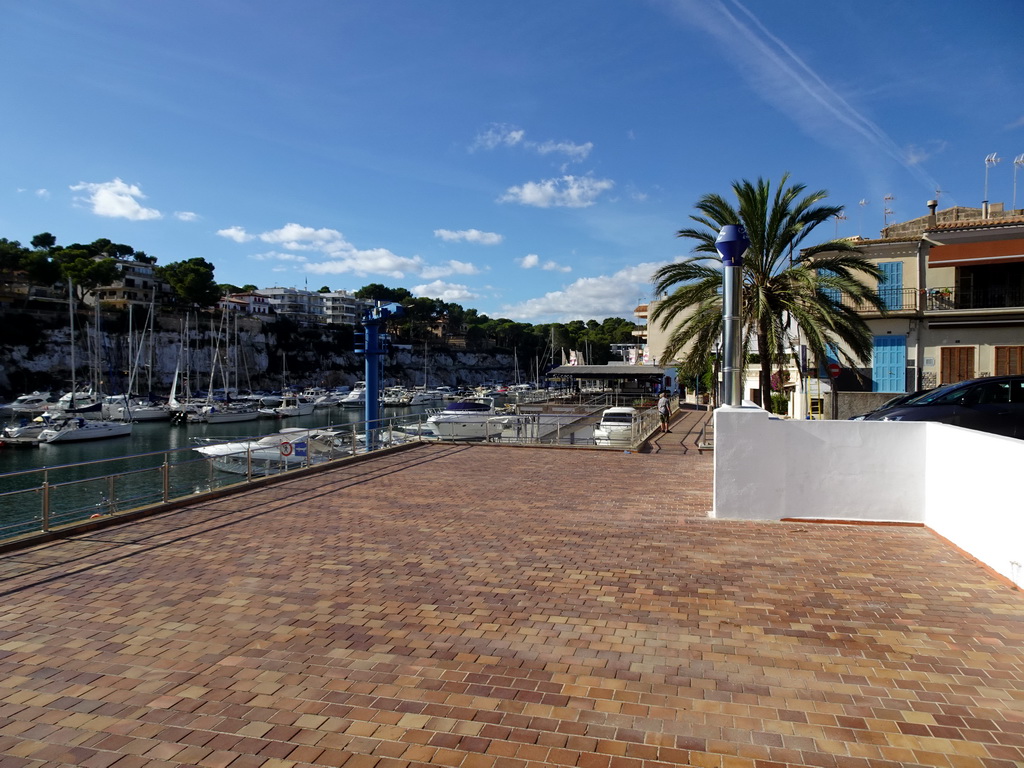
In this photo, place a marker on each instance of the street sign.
(833, 370)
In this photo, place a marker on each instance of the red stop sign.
(834, 370)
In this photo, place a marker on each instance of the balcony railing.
(938, 299)
(893, 299)
(978, 298)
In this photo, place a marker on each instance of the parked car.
(893, 402)
(993, 404)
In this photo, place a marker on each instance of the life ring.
(286, 448)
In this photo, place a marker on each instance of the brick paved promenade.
(493, 606)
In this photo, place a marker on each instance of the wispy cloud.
(532, 261)
(450, 267)
(916, 155)
(186, 216)
(782, 78)
(564, 192)
(326, 251)
(468, 236)
(500, 135)
(115, 199)
(497, 135)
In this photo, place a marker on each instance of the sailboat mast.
(71, 326)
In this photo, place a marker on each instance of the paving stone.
(504, 606)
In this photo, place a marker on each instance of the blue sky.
(532, 160)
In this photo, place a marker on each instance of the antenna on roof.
(1018, 161)
(886, 210)
(990, 160)
(860, 219)
(839, 217)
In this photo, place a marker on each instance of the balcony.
(893, 299)
(1001, 297)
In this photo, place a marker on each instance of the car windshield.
(939, 395)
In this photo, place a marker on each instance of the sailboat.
(222, 412)
(77, 428)
(128, 407)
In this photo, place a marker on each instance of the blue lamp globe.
(731, 242)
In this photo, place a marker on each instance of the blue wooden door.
(890, 286)
(889, 364)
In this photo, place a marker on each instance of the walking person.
(664, 411)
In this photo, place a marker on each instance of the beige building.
(953, 290)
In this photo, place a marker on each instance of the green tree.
(86, 270)
(784, 280)
(192, 281)
(380, 292)
(44, 241)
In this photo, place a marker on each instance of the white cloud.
(186, 216)
(573, 151)
(278, 256)
(468, 236)
(500, 135)
(115, 199)
(589, 297)
(43, 193)
(445, 291)
(497, 136)
(304, 245)
(916, 155)
(238, 234)
(450, 267)
(552, 266)
(565, 192)
(531, 260)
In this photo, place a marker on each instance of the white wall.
(959, 482)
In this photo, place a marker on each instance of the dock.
(493, 606)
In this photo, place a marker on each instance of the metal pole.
(732, 367)
(731, 243)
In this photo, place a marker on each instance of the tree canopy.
(192, 281)
(787, 283)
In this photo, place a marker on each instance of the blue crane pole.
(374, 350)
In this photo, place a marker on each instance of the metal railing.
(937, 299)
(50, 498)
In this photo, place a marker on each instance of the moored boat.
(616, 427)
(473, 418)
(288, 449)
(77, 429)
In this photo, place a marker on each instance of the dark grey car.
(994, 404)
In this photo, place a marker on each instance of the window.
(833, 294)
(1009, 361)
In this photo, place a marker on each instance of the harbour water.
(139, 478)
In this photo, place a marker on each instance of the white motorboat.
(77, 429)
(288, 449)
(616, 427)
(26, 428)
(32, 404)
(291, 405)
(356, 398)
(124, 408)
(470, 419)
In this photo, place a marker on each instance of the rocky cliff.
(37, 354)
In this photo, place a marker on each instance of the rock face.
(257, 357)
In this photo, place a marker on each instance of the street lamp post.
(731, 243)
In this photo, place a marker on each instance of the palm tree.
(784, 282)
